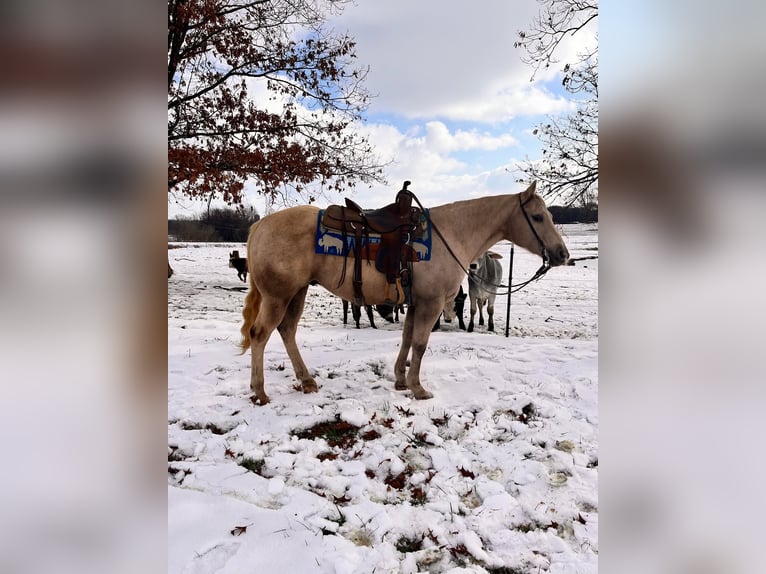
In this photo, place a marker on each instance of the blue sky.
(454, 106)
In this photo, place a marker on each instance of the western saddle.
(397, 224)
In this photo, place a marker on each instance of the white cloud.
(439, 138)
(456, 60)
(507, 103)
(424, 155)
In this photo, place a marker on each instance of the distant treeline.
(588, 214)
(226, 224)
(221, 224)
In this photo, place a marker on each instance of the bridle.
(544, 268)
(539, 273)
(511, 288)
(546, 261)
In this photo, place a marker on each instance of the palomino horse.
(283, 263)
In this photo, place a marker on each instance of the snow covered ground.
(497, 473)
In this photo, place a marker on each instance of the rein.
(439, 233)
(511, 288)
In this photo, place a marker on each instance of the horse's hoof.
(400, 386)
(310, 387)
(260, 399)
(422, 394)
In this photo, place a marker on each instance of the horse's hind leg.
(287, 329)
(269, 316)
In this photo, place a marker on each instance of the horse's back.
(284, 228)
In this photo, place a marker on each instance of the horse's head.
(534, 230)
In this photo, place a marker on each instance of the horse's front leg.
(400, 368)
(424, 316)
(473, 313)
(287, 329)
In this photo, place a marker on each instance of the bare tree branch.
(219, 136)
(568, 169)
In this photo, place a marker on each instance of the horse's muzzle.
(558, 256)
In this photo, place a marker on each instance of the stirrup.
(399, 294)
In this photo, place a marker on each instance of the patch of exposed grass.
(564, 446)
(418, 440)
(378, 369)
(528, 413)
(216, 429)
(340, 520)
(175, 455)
(535, 525)
(459, 554)
(361, 537)
(418, 496)
(407, 544)
(440, 421)
(371, 435)
(398, 482)
(336, 433)
(588, 507)
(212, 427)
(253, 465)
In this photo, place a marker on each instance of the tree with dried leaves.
(260, 91)
(569, 166)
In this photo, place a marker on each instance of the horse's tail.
(252, 300)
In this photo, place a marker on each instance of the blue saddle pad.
(330, 241)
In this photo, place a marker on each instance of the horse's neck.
(471, 227)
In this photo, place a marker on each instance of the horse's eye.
(537, 217)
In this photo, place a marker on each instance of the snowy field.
(497, 473)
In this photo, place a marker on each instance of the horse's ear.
(529, 192)
(494, 255)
